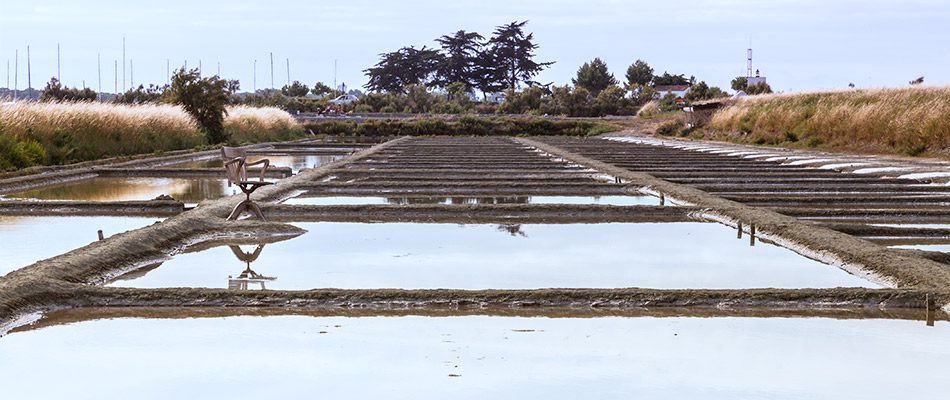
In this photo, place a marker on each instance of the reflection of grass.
(122, 189)
(909, 120)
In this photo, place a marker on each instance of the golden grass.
(252, 124)
(909, 120)
(650, 109)
(83, 131)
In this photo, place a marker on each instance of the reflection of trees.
(248, 276)
(458, 200)
(512, 229)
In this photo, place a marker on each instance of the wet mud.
(152, 208)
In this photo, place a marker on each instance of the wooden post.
(930, 309)
(100, 235)
(739, 230)
(752, 233)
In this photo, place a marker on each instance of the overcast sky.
(798, 44)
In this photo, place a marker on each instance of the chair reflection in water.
(235, 162)
(248, 276)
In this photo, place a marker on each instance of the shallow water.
(188, 190)
(356, 200)
(945, 248)
(477, 357)
(30, 239)
(296, 163)
(426, 256)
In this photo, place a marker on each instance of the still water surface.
(188, 190)
(359, 200)
(296, 163)
(477, 357)
(30, 239)
(428, 256)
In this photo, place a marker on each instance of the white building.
(678, 90)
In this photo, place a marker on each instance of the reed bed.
(252, 124)
(909, 120)
(58, 133)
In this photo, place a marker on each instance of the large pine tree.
(460, 59)
(512, 54)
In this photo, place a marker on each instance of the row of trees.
(466, 60)
(641, 83)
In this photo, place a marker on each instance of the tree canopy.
(594, 77)
(513, 54)
(296, 89)
(639, 73)
(739, 83)
(321, 89)
(152, 94)
(401, 68)
(205, 99)
(667, 79)
(460, 59)
(54, 91)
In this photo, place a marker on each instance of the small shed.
(699, 113)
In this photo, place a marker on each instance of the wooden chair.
(235, 162)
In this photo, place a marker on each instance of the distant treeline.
(464, 126)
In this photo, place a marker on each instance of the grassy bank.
(464, 126)
(60, 133)
(909, 120)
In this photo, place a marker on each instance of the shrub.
(669, 128)
(204, 99)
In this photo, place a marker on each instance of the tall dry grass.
(69, 132)
(252, 124)
(909, 120)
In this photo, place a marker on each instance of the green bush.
(669, 128)
(791, 136)
(15, 154)
(467, 126)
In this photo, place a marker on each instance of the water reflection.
(458, 200)
(26, 240)
(296, 163)
(248, 276)
(523, 256)
(579, 200)
(188, 190)
(511, 229)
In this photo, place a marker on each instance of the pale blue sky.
(799, 45)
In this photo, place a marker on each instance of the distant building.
(752, 80)
(678, 90)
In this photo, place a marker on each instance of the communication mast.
(748, 73)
